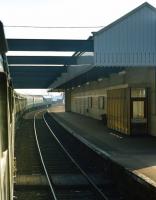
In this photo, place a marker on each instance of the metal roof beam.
(33, 78)
(15, 75)
(50, 45)
(31, 84)
(43, 60)
(37, 69)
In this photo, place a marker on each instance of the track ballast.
(73, 170)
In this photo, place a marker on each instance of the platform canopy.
(35, 76)
(89, 73)
(42, 71)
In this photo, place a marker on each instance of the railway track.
(73, 170)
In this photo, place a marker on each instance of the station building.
(117, 83)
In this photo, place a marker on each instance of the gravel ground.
(28, 194)
(27, 160)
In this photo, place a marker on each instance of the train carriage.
(11, 104)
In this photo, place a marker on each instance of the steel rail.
(42, 160)
(98, 191)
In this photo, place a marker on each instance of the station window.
(90, 102)
(138, 92)
(101, 102)
(138, 110)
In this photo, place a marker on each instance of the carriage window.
(101, 102)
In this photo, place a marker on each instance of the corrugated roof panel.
(130, 42)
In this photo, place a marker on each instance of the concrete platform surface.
(137, 154)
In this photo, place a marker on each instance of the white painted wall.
(134, 77)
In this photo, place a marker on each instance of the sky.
(58, 13)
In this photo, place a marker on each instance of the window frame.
(90, 102)
(101, 106)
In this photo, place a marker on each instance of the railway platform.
(136, 154)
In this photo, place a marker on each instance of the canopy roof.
(42, 71)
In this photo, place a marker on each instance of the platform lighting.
(87, 83)
(50, 90)
(122, 73)
(72, 88)
(100, 79)
(79, 86)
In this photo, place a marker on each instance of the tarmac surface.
(135, 153)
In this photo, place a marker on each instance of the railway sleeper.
(61, 180)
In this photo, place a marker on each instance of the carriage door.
(139, 111)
